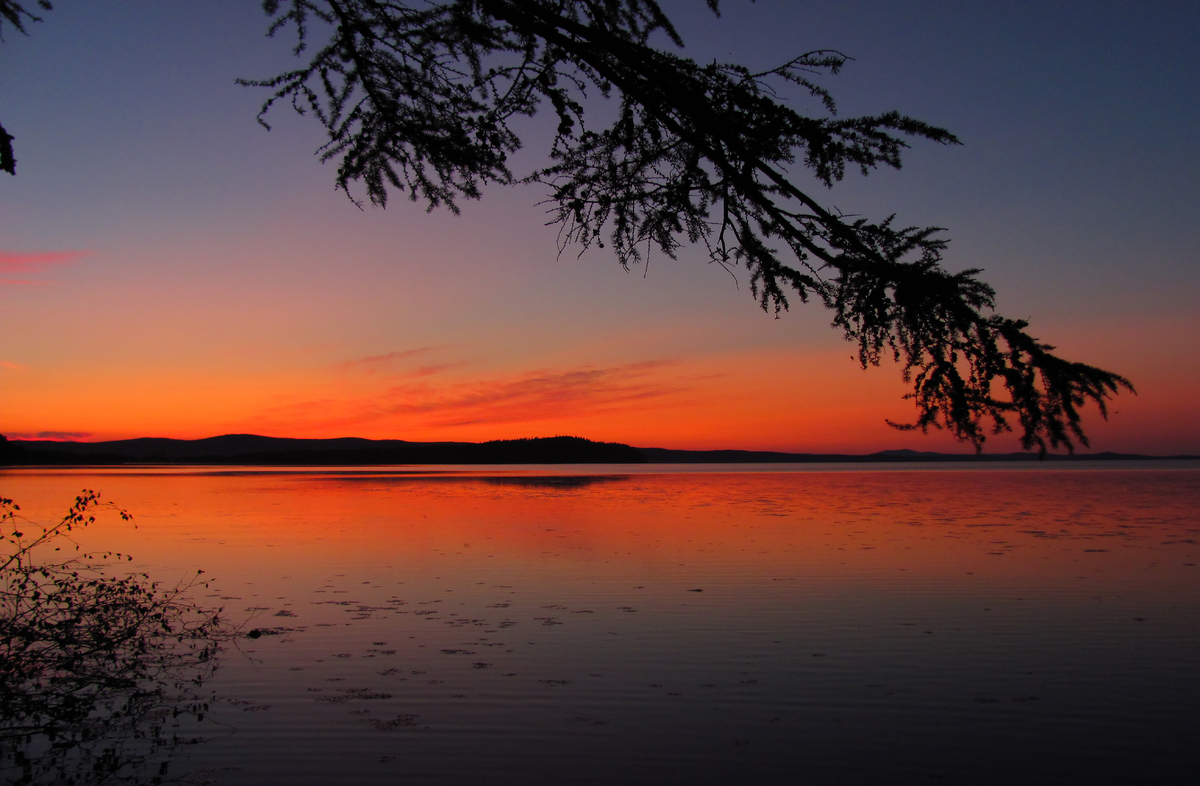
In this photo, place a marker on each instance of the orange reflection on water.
(906, 619)
(1033, 525)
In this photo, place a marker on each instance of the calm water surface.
(598, 625)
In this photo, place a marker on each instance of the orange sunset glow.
(771, 398)
(258, 300)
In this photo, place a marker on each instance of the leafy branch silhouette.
(97, 667)
(15, 14)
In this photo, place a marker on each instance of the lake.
(679, 624)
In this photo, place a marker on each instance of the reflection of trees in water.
(554, 481)
(100, 674)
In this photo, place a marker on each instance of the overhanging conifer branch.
(418, 98)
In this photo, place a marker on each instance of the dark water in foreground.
(1005, 625)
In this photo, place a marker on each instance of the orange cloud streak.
(529, 397)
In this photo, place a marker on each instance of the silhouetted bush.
(101, 672)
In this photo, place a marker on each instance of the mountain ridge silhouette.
(255, 449)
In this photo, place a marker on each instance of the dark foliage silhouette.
(101, 673)
(16, 15)
(424, 99)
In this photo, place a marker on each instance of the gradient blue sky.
(168, 267)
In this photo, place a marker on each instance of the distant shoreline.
(255, 450)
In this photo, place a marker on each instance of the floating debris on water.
(398, 722)
(354, 694)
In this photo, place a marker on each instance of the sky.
(170, 268)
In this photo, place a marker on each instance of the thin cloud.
(534, 396)
(17, 262)
(50, 435)
(375, 361)
(13, 366)
(427, 371)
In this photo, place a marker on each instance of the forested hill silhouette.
(252, 449)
